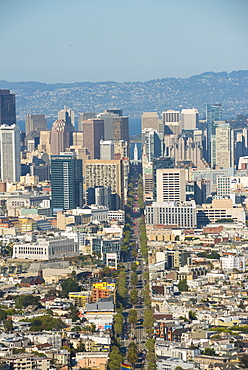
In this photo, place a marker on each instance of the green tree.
(134, 278)
(115, 359)
(23, 301)
(132, 353)
(118, 323)
(3, 315)
(243, 360)
(192, 316)
(70, 285)
(46, 322)
(8, 325)
(132, 318)
(134, 297)
(209, 351)
(183, 286)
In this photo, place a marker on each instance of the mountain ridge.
(230, 89)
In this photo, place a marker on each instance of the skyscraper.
(66, 181)
(7, 108)
(150, 120)
(107, 149)
(93, 132)
(189, 119)
(152, 143)
(35, 122)
(222, 145)
(10, 165)
(67, 115)
(171, 185)
(106, 173)
(61, 136)
(213, 113)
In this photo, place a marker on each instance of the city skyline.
(112, 41)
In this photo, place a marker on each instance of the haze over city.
(132, 40)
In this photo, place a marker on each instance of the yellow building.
(80, 298)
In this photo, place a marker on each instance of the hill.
(230, 89)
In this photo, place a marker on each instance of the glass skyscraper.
(66, 181)
(213, 113)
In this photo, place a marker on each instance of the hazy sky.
(120, 40)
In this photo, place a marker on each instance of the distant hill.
(229, 89)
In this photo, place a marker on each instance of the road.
(136, 333)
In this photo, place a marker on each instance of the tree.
(8, 325)
(23, 301)
(183, 286)
(209, 351)
(81, 347)
(132, 355)
(70, 285)
(46, 322)
(134, 297)
(192, 316)
(115, 359)
(244, 361)
(118, 323)
(3, 315)
(132, 318)
(134, 278)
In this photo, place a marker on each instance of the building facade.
(66, 181)
(10, 161)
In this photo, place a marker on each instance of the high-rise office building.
(150, 120)
(189, 119)
(93, 132)
(82, 117)
(10, 165)
(171, 185)
(116, 127)
(223, 153)
(152, 143)
(66, 181)
(35, 122)
(107, 149)
(67, 115)
(213, 113)
(7, 108)
(61, 136)
(170, 116)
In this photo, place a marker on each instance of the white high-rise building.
(107, 149)
(10, 161)
(171, 185)
(189, 119)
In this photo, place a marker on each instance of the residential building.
(106, 173)
(231, 262)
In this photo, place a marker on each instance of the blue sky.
(120, 40)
